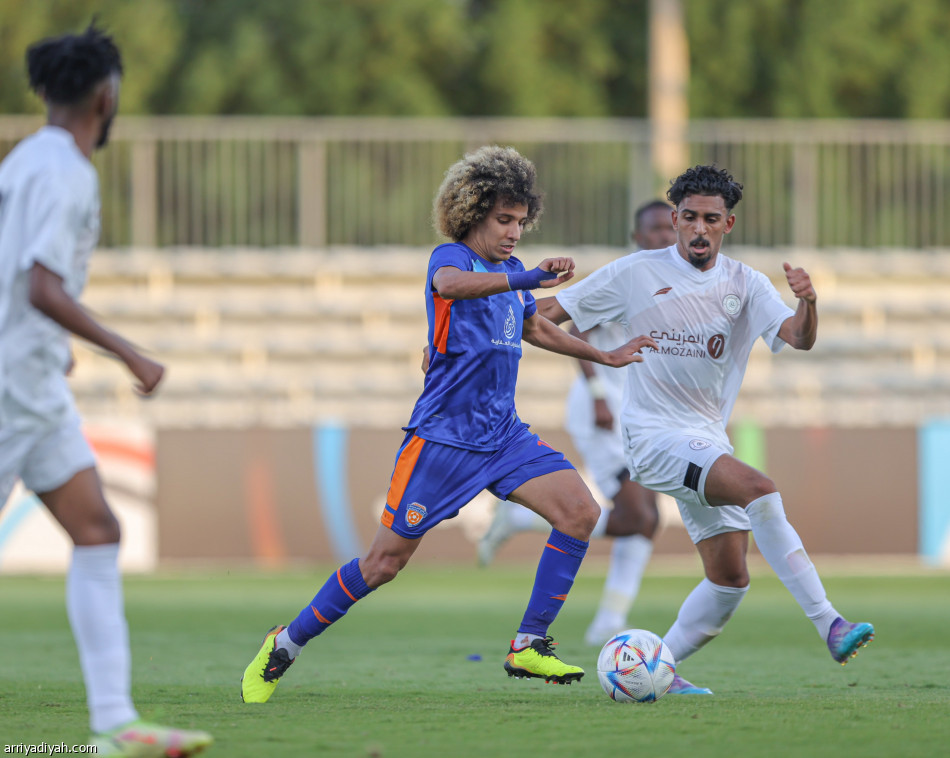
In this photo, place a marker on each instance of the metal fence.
(263, 182)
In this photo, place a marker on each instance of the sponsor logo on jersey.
(662, 291)
(731, 304)
(510, 324)
(415, 513)
(715, 345)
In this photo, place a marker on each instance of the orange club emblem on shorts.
(415, 512)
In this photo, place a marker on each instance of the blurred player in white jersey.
(705, 311)
(592, 419)
(49, 225)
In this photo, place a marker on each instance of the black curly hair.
(65, 70)
(705, 180)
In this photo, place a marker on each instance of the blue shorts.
(431, 481)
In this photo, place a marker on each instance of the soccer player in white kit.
(592, 417)
(705, 311)
(49, 225)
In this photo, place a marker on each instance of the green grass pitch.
(395, 678)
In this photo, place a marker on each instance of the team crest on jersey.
(731, 304)
(510, 324)
(415, 513)
(698, 444)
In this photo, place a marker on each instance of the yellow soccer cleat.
(262, 674)
(143, 740)
(539, 661)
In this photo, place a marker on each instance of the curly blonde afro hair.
(473, 185)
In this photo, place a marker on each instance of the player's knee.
(587, 514)
(759, 487)
(380, 569)
(103, 529)
(731, 577)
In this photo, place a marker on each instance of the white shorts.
(601, 449)
(44, 457)
(677, 463)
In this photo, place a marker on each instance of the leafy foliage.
(768, 58)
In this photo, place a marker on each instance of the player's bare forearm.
(552, 310)
(801, 330)
(540, 332)
(454, 284)
(587, 368)
(48, 296)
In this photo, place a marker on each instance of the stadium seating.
(294, 337)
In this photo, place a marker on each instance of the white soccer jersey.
(704, 322)
(49, 214)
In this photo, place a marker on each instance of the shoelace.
(545, 647)
(277, 663)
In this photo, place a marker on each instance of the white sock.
(523, 519)
(523, 639)
(781, 546)
(600, 528)
(283, 640)
(702, 617)
(628, 560)
(95, 609)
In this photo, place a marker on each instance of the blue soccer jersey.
(468, 399)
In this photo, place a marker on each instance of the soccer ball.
(635, 666)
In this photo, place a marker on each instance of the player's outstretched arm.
(801, 330)
(48, 296)
(542, 333)
(454, 284)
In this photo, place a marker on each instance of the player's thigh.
(679, 465)
(732, 482)
(61, 470)
(430, 483)
(80, 507)
(635, 507)
(563, 499)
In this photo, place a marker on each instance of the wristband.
(596, 388)
(529, 280)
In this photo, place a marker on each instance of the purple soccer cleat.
(681, 687)
(845, 638)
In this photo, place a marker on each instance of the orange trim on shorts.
(403, 472)
(443, 315)
(319, 616)
(556, 548)
(340, 580)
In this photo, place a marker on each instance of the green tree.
(146, 32)
(299, 57)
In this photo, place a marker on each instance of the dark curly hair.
(473, 185)
(705, 180)
(64, 70)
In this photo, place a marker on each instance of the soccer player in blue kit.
(464, 434)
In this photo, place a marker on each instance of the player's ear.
(730, 222)
(106, 101)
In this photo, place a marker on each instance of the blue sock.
(559, 564)
(340, 591)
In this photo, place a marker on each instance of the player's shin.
(702, 617)
(341, 590)
(95, 609)
(557, 568)
(781, 546)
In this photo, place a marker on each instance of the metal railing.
(274, 182)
